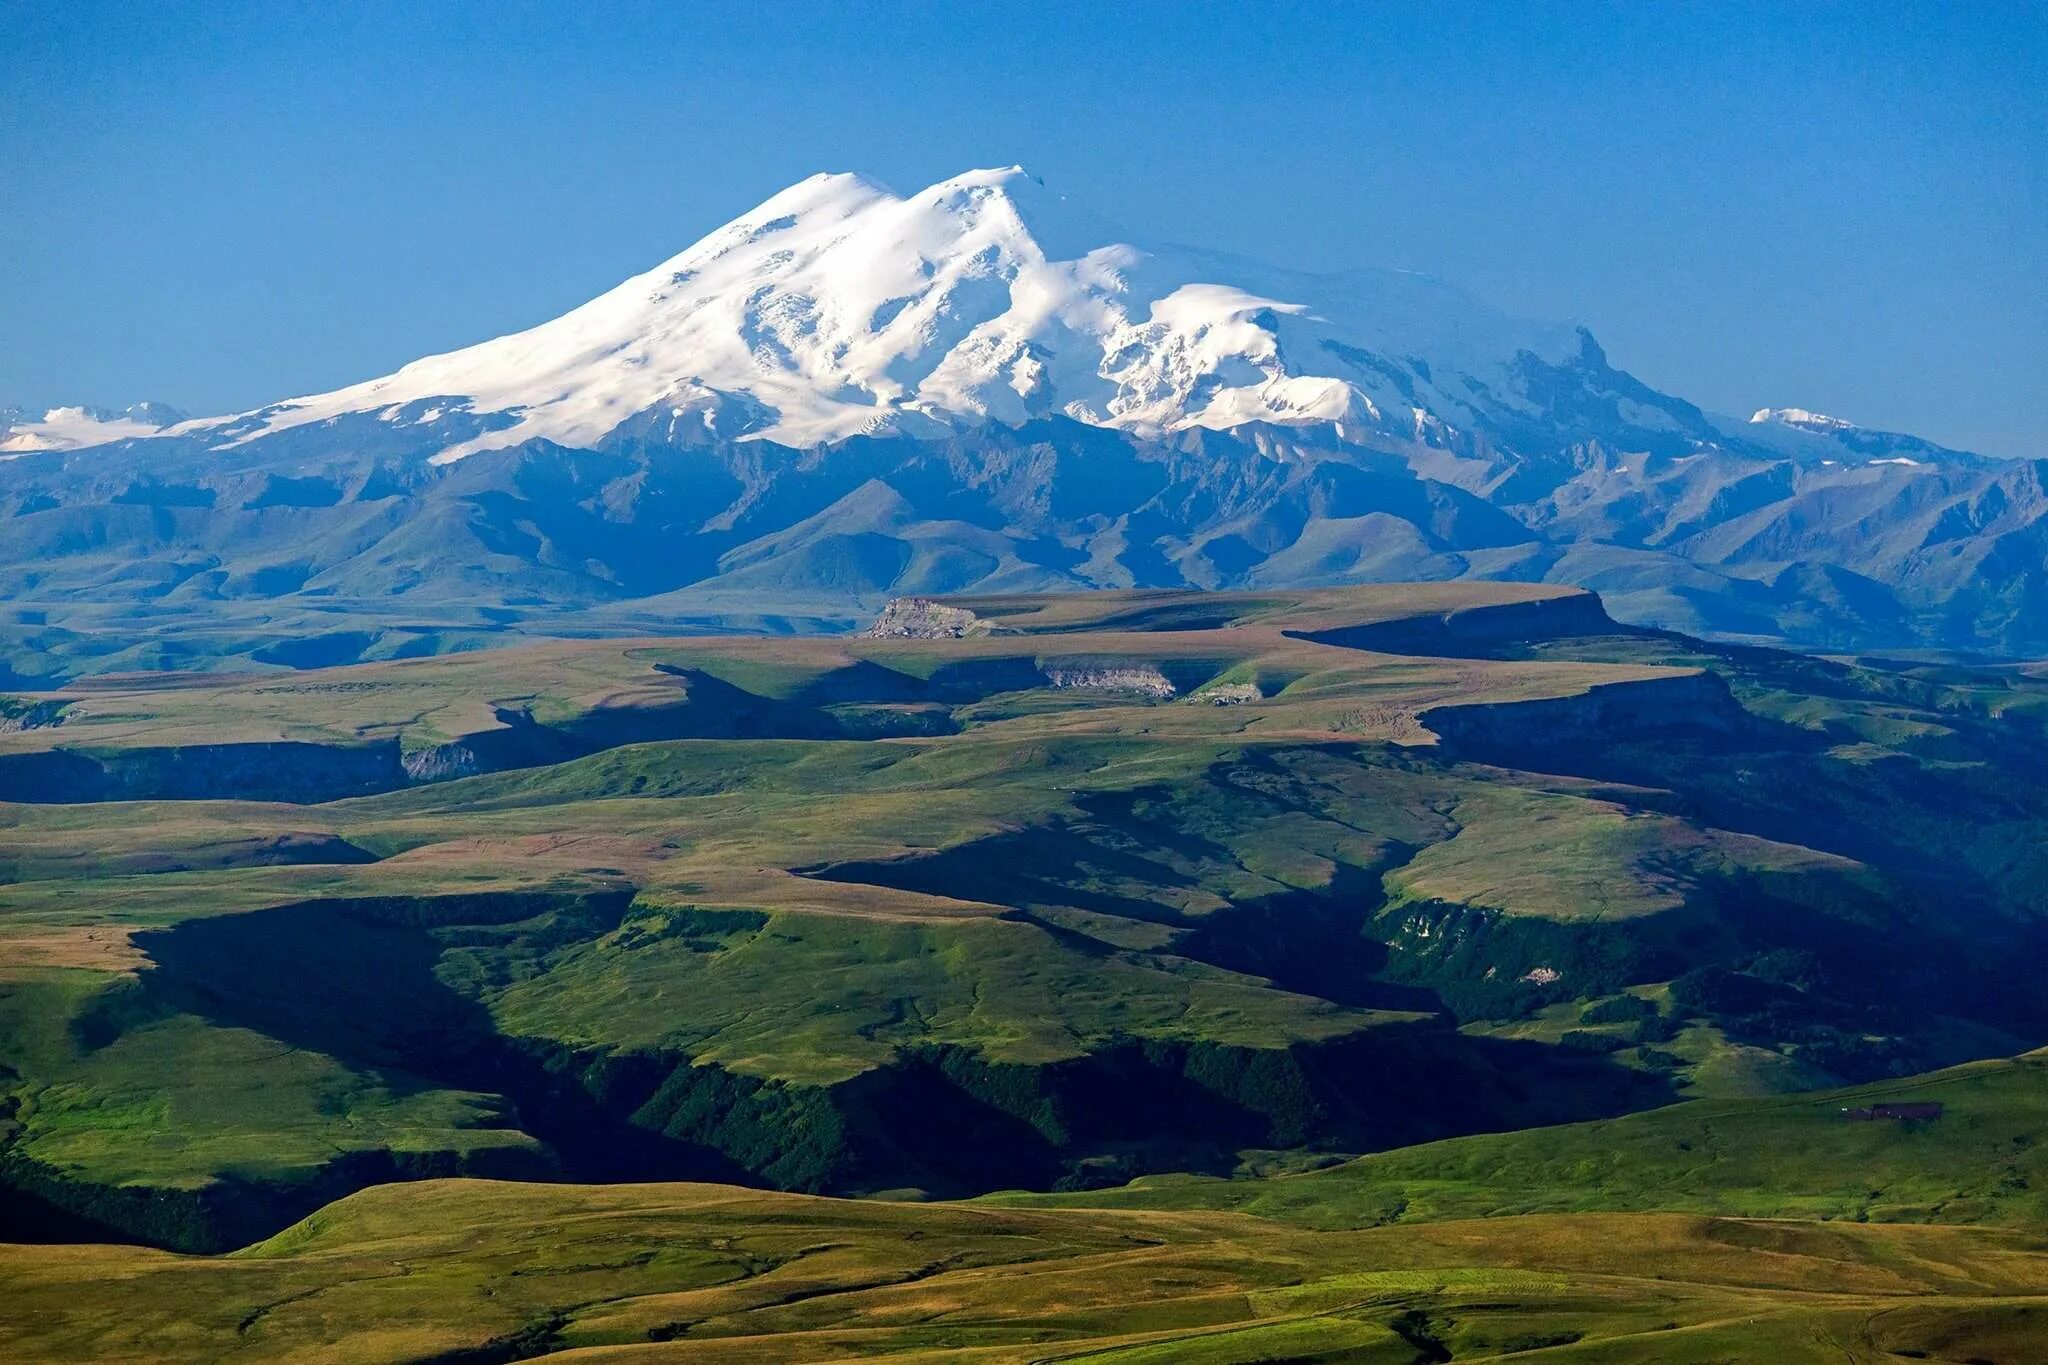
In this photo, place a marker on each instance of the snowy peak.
(839, 308)
(74, 428)
(1813, 435)
(1801, 418)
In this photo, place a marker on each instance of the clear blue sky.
(1842, 207)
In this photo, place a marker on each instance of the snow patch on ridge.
(1800, 417)
(74, 428)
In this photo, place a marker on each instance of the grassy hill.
(1983, 1163)
(1762, 1229)
(1096, 886)
(474, 1271)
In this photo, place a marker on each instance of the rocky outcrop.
(1141, 680)
(1229, 694)
(441, 763)
(922, 618)
(19, 713)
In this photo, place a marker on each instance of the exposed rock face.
(1229, 694)
(921, 618)
(440, 763)
(1142, 681)
(1599, 715)
(18, 714)
(1476, 631)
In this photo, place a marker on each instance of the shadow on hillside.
(365, 982)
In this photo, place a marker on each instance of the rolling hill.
(1096, 885)
(1773, 1254)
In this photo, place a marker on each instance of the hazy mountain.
(74, 427)
(845, 394)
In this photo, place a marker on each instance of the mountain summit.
(838, 308)
(848, 394)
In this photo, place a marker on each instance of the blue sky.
(1841, 207)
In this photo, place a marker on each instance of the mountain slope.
(837, 309)
(488, 1271)
(1020, 399)
(1090, 883)
(73, 428)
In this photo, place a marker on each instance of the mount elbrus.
(845, 395)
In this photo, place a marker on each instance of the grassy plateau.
(1408, 973)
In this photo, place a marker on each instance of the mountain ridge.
(846, 395)
(1012, 275)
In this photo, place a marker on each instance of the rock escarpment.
(922, 618)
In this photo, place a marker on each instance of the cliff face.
(1477, 631)
(922, 618)
(202, 772)
(1682, 703)
(1139, 679)
(18, 714)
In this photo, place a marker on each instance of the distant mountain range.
(845, 395)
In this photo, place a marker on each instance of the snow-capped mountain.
(1837, 441)
(838, 309)
(846, 394)
(76, 427)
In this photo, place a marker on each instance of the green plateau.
(1404, 972)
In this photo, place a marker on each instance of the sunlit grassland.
(768, 905)
(1984, 1162)
(665, 1272)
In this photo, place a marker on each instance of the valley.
(1443, 1253)
(1051, 892)
(655, 706)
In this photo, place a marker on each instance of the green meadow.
(1410, 973)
